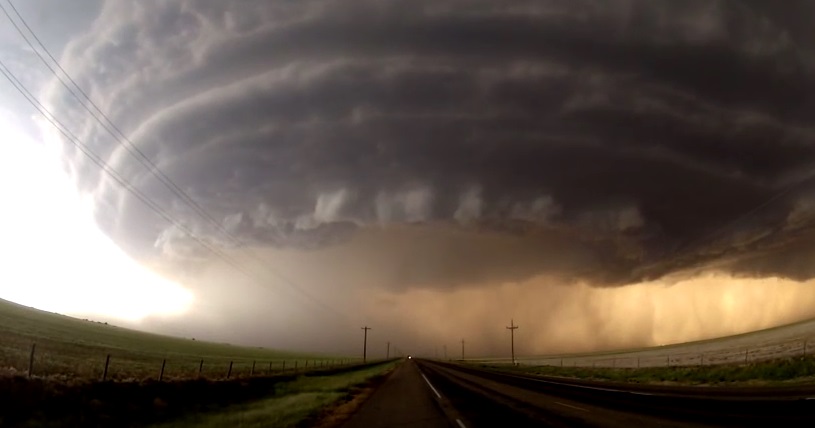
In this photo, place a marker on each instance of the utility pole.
(462, 349)
(388, 353)
(365, 345)
(512, 327)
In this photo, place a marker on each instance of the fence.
(658, 357)
(40, 361)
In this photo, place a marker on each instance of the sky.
(605, 173)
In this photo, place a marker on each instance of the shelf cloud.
(455, 145)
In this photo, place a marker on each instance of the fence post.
(283, 369)
(252, 373)
(200, 367)
(306, 367)
(161, 374)
(295, 366)
(107, 363)
(31, 360)
(229, 373)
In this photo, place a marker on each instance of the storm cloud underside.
(449, 147)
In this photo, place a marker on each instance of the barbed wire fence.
(94, 364)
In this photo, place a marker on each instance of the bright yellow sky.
(53, 255)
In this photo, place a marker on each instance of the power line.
(685, 247)
(118, 178)
(365, 344)
(727, 225)
(512, 327)
(109, 126)
(100, 162)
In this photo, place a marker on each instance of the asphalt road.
(403, 400)
(433, 394)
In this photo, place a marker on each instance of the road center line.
(431, 385)
(570, 406)
(461, 424)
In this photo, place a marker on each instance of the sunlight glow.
(54, 256)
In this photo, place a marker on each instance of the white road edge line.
(461, 424)
(570, 406)
(430, 385)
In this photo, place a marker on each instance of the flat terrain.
(783, 371)
(779, 342)
(71, 348)
(297, 402)
(404, 400)
(281, 400)
(485, 398)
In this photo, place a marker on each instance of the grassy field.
(291, 404)
(281, 399)
(787, 370)
(76, 349)
(787, 341)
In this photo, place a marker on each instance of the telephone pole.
(365, 345)
(462, 349)
(388, 353)
(512, 327)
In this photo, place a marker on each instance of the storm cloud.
(458, 143)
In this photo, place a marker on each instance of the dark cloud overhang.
(633, 141)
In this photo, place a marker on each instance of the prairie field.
(71, 348)
(772, 345)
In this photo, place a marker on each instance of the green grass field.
(71, 348)
(785, 370)
(291, 404)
